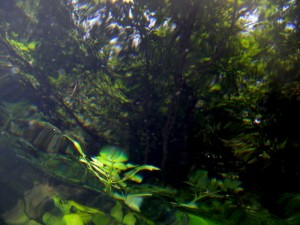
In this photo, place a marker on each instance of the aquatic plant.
(72, 213)
(118, 214)
(291, 203)
(111, 169)
(201, 186)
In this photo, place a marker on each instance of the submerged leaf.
(32, 45)
(73, 219)
(117, 212)
(130, 166)
(120, 166)
(230, 184)
(134, 202)
(215, 88)
(136, 178)
(129, 219)
(150, 168)
(84, 208)
(113, 154)
(77, 146)
(190, 205)
(97, 162)
(49, 219)
(102, 161)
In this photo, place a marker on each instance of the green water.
(171, 112)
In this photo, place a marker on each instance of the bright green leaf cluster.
(111, 169)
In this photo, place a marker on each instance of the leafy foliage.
(206, 84)
(110, 168)
(201, 187)
(291, 203)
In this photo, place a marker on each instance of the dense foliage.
(181, 84)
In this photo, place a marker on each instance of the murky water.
(179, 112)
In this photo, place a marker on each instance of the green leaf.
(245, 43)
(230, 184)
(130, 166)
(215, 88)
(32, 45)
(150, 168)
(117, 212)
(190, 205)
(213, 186)
(63, 206)
(120, 166)
(72, 219)
(21, 46)
(134, 202)
(97, 162)
(136, 178)
(84, 208)
(102, 161)
(99, 219)
(77, 146)
(129, 219)
(49, 219)
(196, 220)
(199, 178)
(113, 154)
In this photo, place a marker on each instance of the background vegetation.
(181, 84)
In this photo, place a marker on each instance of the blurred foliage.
(74, 213)
(184, 84)
(201, 187)
(110, 168)
(291, 203)
(68, 212)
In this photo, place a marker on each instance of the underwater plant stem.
(108, 189)
(198, 197)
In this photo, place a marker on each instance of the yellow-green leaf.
(129, 219)
(76, 145)
(113, 153)
(73, 219)
(117, 212)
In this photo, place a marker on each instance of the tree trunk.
(182, 94)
